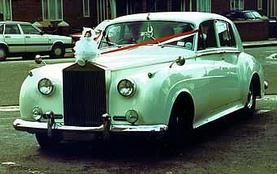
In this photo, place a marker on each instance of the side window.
(29, 29)
(1, 29)
(225, 34)
(12, 29)
(207, 37)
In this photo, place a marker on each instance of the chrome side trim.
(33, 127)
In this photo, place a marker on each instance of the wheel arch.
(257, 84)
(5, 46)
(58, 42)
(184, 100)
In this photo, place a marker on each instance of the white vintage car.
(24, 39)
(158, 72)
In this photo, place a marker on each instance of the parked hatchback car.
(163, 73)
(243, 15)
(24, 39)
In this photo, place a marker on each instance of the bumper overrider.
(51, 126)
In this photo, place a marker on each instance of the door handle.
(27, 36)
(7, 36)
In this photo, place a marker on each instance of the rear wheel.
(250, 105)
(3, 53)
(57, 51)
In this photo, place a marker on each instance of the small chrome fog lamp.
(131, 116)
(45, 86)
(37, 113)
(126, 88)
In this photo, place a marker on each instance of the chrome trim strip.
(30, 126)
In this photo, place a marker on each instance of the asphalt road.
(234, 144)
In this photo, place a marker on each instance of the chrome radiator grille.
(84, 95)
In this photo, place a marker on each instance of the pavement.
(252, 44)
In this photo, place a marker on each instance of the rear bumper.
(34, 127)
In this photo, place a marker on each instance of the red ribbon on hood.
(155, 41)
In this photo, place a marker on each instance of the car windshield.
(117, 35)
(249, 15)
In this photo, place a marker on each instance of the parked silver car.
(24, 39)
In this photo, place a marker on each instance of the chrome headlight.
(45, 86)
(126, 88)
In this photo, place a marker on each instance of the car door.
(14, 38)
(35, 41)
(212, 56)
(229, 61)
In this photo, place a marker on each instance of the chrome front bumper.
(34, 127)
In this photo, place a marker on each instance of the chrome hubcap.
(58, 51)
(2, 53)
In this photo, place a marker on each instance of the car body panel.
(217, 80)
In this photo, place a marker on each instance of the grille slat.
(84, 95)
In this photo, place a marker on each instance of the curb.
(259, 44)
(9, 108)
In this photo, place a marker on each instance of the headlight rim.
(51, 84)
(133, 87)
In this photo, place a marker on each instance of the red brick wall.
(220, 6)
(250, 4)
(253, 30)
(26, 10)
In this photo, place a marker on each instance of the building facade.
(79, 13)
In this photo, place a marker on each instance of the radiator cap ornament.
(86, 48)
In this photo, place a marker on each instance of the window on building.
(86, 10)
(102, 10)
(204, 5)
(52, 9)
(5, 10)
(272, 8)
(260, 4)
(236, 4)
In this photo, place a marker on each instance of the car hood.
(142, 56)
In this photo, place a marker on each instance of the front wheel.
(250, 105)
(48, 142)
(179, 126)
(58, 50)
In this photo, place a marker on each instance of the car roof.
(191, 17)
(14, 22)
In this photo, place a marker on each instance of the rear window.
(29, 29)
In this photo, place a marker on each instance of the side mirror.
(41, 33)
(179, 61)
